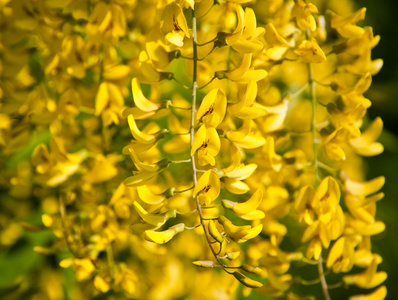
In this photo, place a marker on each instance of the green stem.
(311, 91)
(208, 42)
(111, 259)
(67, 230)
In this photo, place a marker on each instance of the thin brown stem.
(325, 289)
(194, 170)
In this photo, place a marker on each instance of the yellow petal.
(159, 237)
(247, 100)
(248, 46)
(310, 52)
(176, 38)
(250, 205)
(247, 281)
(100, 284)
(364, 188)
(365, 144)
(250, 23)
(250, 142)
(102, 98)
(212, 109)
(139, 135)
(140, 165)
(199, 139)
(378, 294)
(213, 231)
(336, 252)
(244, 66)
(241, 133)
(117, 72)
(235, 36)
(148, 197)
(254, 112)
(139, 99)
(253, 215)
(253, 75)
(140, 178)
(235, 186)
(242, 172)
(253, 232)
(328, 193)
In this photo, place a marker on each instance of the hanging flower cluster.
(156, 137)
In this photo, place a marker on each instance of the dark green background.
(383, 17)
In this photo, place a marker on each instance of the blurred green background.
(384, 95)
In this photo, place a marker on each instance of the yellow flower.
(346, 25)
(242, 137)
(366, 144)
(239, 234)
(303, 13)
(243, 73)
(126, 279)
(144, 137)
(55, 169)
(156, 220)
(101, 168)
(247, 210)
(107, 21)
(361, 197)
(378, 294)
(212, 109)
(109, 103)
(333, 143)
(207, 142)
(367, 279)
(208, 187)
(310, 52)
(245, 38)
(84, 267)
(277, 45)
(247, 108)
(357, 45)
(174, 25)
(101, 284)
(162, 237)
(303, 204)
(341, 256)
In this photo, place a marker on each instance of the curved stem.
(193, 111)
(180, 83)
(208, 42)
(206, 84)
(180, 161)
(323, 279)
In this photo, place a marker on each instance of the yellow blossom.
(212, 109)
(208, 187)
(174, 24)
(207, 142)
(245, 38)
(367, 279)
(310, 52)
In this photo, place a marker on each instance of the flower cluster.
(163, 136)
